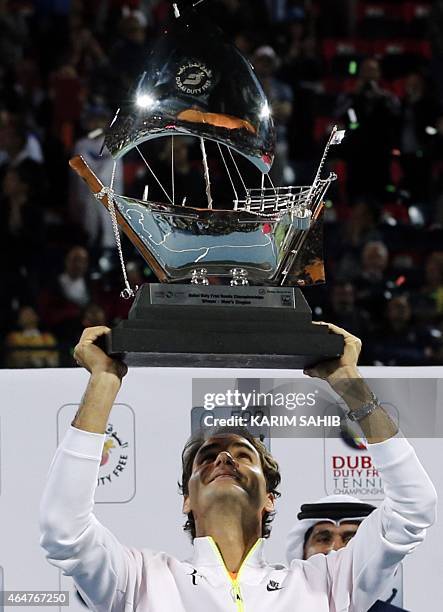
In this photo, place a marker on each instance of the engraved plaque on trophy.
(229, 273)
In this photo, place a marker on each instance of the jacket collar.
(208, 561)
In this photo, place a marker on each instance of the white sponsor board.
(142, 506)
(1, 588)
(350, 471)
(116, 477)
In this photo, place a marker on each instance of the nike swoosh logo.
(269, 588)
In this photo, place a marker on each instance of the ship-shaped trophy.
(229, 292)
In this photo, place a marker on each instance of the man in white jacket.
(228, 498)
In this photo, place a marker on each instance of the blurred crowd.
(374, 69)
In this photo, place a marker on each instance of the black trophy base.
(186, 326)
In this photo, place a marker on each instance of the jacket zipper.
(236, 595)
(235, 585)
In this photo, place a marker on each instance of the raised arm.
(74, 540)
(361, 571)
(345, 379)
(104, 384)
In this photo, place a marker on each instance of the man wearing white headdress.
(328, 525)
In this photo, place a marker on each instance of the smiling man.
(229, 484)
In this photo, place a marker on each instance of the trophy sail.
(196, 83)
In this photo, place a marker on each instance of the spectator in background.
(67, 93)
(97, 14)
(23, 190)
(371, 283)
(22, 236)
(62, 303)
(436, 36)
(29, 347)
(85, 210)
(13, 34)
(87, 56)
(338, 18)
(281, 10)
(303, 69)
(245, 42)
(16, 143)
(436, 156)
(50, 30)
(135, 275)
(399, 340)
(86, 53)
(30, 89)
(93, 315)
(371, 115)
(346, 243)
(127, 57)
(280, 98)
(236, 15)
(342, 309)
(428, 303)
(417, 113)
(73, 281)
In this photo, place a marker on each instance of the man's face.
(264, 66)
(370, 70)
(326, 537)
(77, 261)
(343, 298)
(399, 310)
(227, 473)
(27, 318)
(374, 258)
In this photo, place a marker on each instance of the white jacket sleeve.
(360, 571)
(71, 535)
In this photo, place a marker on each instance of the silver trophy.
(230, 273)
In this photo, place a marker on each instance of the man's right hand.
(93, 358)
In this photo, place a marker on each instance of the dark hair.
(269, 465)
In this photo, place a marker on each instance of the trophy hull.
(249, 330)
(177, 240)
